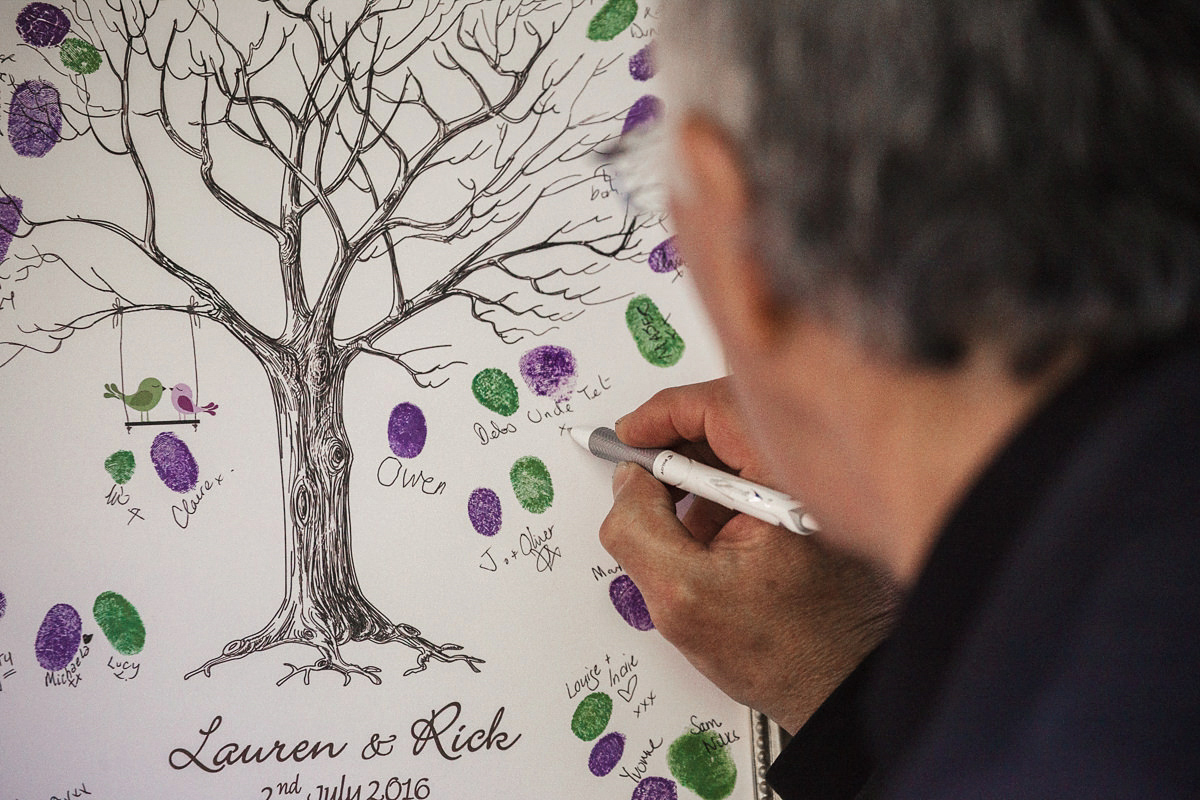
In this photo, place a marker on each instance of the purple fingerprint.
(627, 599)
(59, 637)
(174, 463)
(34, 119)
(655, 789)
(666, 257)
(641, 63)
(10, 219)
(606, 754)
(3, 605)
(648, 108)
(407, 430)
(43, 25)
(550, 371)
(483, 508)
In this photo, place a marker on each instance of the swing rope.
(194, 322)
(121, 355)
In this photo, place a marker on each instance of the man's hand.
(774, 619)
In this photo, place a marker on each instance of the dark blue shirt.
(1051, 646)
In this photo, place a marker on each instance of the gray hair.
(934, 176)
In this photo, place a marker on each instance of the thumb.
(642, 531)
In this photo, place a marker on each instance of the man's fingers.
(671, 415)
(700, 451)
(700, 412)
(704, 518)
(641, 531)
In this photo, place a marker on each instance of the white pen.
(701, 480)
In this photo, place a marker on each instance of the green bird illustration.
(149, 392)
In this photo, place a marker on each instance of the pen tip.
(580, 435)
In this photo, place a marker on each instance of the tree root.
(321, 664)
(427, 650)
(330, 658)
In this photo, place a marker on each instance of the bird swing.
(150, 390)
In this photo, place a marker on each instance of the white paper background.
(417, 557)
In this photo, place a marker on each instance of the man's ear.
(712, 211)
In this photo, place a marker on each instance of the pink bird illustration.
(181, 398)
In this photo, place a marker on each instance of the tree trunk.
(323, 602)
(323, 605)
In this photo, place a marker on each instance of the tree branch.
(446, 134)
(60, 332)
(343, 102)
(127, 136)
(419, 376)
(222, 196)
(163, 115)
(223, 311)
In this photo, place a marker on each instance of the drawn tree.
(332, 103)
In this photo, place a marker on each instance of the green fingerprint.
(531, 483)
(120, 466)
(614, 17)
(592, 716)
(79, 56)
(656, 340)
(120, 622)
(496, 392)
(702, 764)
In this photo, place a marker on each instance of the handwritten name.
(70, 794)
(391, 471)
(123, 669)
(622, 672)
(716, 739)
(638, 31)
(590, 680)
(117, 496)
(536, 545)
(232, 753)
(601, 573)
(538, 416)
(433, 730)
(69, 675)
(643, 765)
(7, 668)
(485, 435)
(593, 390)
(183, 512)
(531, 544)
(661, 343)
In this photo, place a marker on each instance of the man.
(952, 251)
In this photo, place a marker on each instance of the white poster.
(297, 300)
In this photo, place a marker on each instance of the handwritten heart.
(626, 694)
